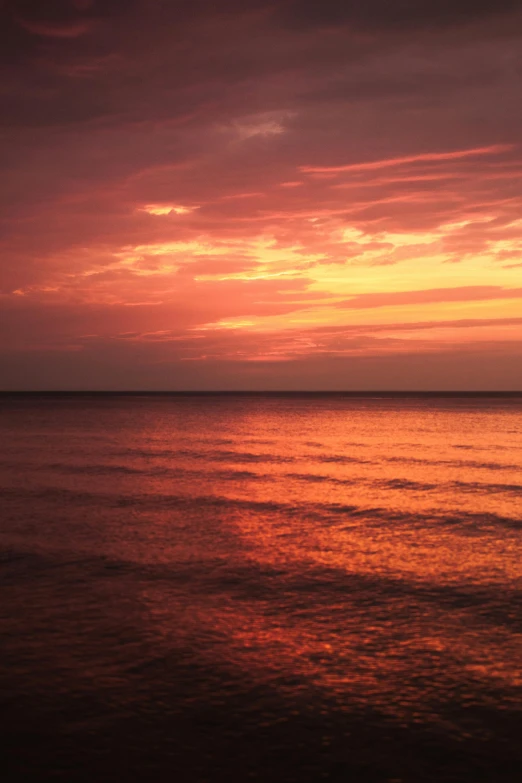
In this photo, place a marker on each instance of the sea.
(200, 588)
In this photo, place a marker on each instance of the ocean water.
(260, 587)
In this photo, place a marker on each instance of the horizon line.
(208, 392)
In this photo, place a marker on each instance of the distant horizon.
(271, 392)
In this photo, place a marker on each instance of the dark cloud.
(32, 31)
(63, 14)
(393, 14)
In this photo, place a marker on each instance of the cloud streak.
(427, 157)
(431, 295)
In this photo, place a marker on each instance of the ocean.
(270, 587)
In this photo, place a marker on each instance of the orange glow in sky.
(296, 201)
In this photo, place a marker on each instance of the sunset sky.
(245, 194)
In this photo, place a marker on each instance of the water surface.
(249, 587)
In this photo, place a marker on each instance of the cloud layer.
(261, 195)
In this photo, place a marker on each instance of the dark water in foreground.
(260, 588)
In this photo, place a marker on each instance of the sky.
(249, 194)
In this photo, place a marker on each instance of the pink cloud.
(65, 29)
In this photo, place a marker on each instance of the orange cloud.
(431, 295)
(427, 157)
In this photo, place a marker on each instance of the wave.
(474, 486)
(233, 456)
(462, 486)
(313, 478)
(456, 463)
(326, 513)
(210, 455)
(289, 589)
(149, 471)
(242, 474)
(342, 459)
(408, 484)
